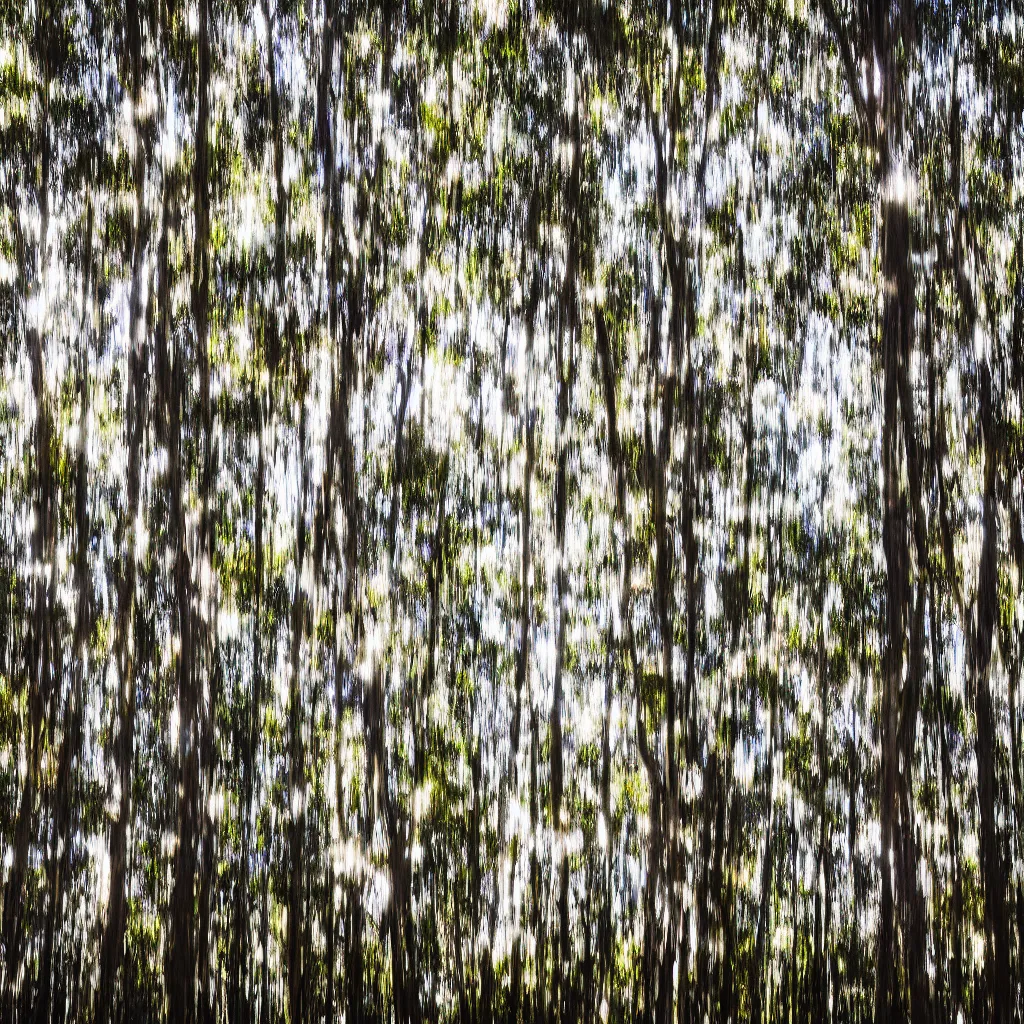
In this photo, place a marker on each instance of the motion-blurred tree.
(511, 511)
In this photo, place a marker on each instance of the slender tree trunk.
(60, 854)
(185, 942)
(113, 938)
(993, 867)
(569, 328)
(39, 643)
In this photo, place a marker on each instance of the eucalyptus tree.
(510, 510)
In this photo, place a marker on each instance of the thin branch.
(849, 66)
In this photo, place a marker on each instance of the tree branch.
(846, 53)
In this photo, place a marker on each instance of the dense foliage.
(511, 512)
